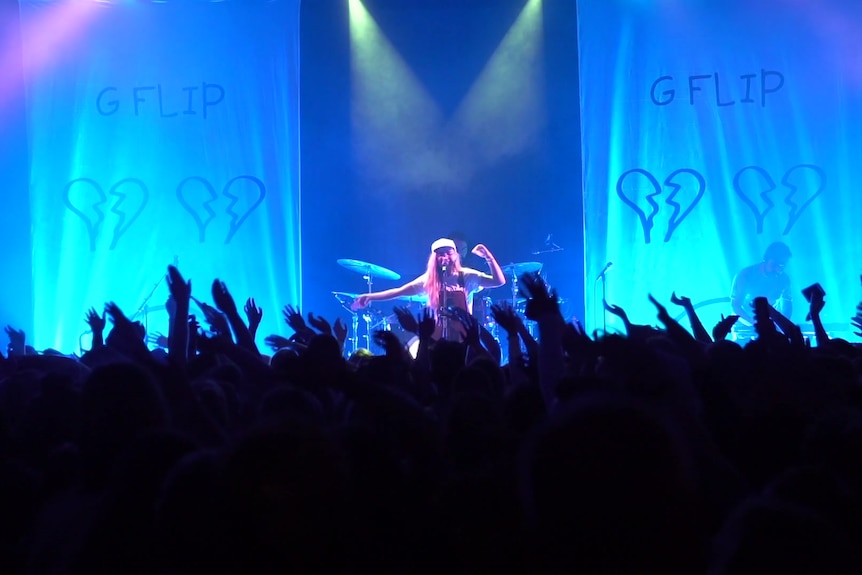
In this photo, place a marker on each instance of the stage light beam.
(395, 121)
(504, 110)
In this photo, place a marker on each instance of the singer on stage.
(445, 282)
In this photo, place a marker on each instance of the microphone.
(443, 269)
(549, 239)
(604, 270)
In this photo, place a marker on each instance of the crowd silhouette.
(660, 450)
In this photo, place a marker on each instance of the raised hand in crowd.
(575, 339)
(427, 323)
(194, 335)
(675, 331)
(423, 324)
(293, 318)
(390, 344)
(470, 325)
(225, 303)
(339, 329)
(171, 306)
(543, 307)
(17, 341)
(406, 320)
(320, 324)
(222, 298)
(276, 342)
(178, 334)
(620, 313)
(700, 333)
(792, 331)
(505, 316)
(763, 323)
(254, 315)
(722, 329)
(540, 300)
(122, 325)
(126, 336)
(691, 348)
(97, 325)
(478, 344)
(180, 289)
(216, 320)
(816, 304)
(158, 339)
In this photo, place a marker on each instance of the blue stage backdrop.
(160, 132)
(712, 128)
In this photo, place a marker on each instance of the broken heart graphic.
(88, 206)
(138, 201)
(252, 201)
(191, 203)
(747, 192)
(683, 197)
(805, 182)
(680, 213)
(633, 199)
(795, 181)
(197, 200)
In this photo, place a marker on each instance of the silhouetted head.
(776, 256)
(768, 536)
(609, 487)
(461, 244)
(284, 490)
(118, 403)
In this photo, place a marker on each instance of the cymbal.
(522, 268)
(368, 269)
(339, 295)
(345, 298)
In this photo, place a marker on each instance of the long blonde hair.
(433, 281)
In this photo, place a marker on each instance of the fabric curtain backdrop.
(160, 132)
(710, 130)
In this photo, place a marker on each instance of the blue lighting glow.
(160, 133)
(710, 130)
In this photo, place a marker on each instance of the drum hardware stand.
(368, 271)
(354, 338)
(442, 314)
(514, 289)
(367, 314)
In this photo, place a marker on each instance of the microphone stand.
(603, 277)
(441, 307)
(144, 307)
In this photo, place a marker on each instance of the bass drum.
(482, 312)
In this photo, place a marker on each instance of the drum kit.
(374, 319)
